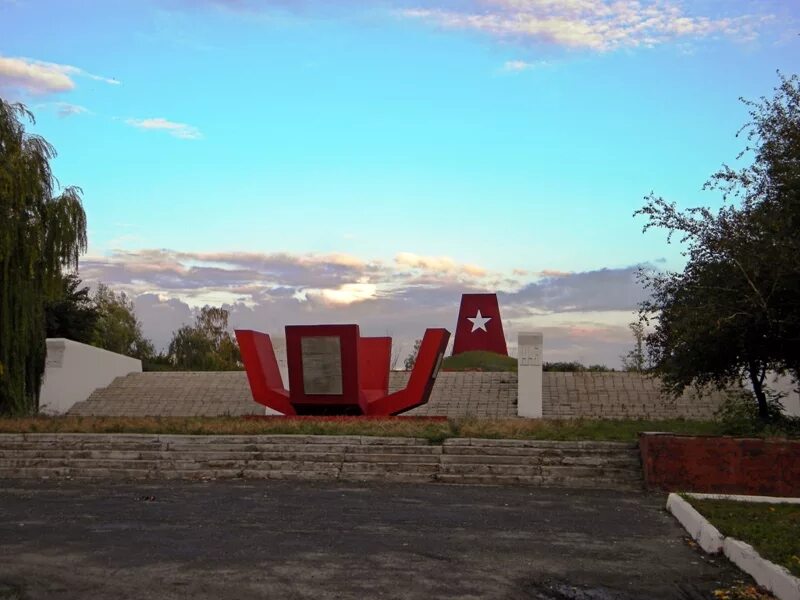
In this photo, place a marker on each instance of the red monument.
(479, 325)
(335, 371)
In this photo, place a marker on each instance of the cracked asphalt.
(323, 540)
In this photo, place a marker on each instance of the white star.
(479, 321)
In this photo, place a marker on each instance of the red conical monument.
(479, 325)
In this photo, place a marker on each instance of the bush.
(739, 415)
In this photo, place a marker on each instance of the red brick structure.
(721, 465)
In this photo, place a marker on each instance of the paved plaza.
(321, 540)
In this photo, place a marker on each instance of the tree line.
(107, 319)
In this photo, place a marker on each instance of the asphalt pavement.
(275, 539)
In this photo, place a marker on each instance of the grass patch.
(433, 430)
(579, 429)
(772, 529)
(480, 360)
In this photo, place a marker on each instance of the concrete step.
(543, 444)
(541, 450)
(390, 476)
(213, 394)
(537, 480)
(132, 456)
(538, 459)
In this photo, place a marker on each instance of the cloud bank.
(596, 25)
(583, 315)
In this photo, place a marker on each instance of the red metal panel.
(374, 361)
(365, 366)
(479, 325)
(263, 374)
(350, 398)
(423, 376)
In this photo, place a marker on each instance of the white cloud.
(599, 25)
(41, 78)
(178, 130)
(65, 109)
(517, 66)
(347, 293)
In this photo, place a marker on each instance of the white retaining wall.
(74, 370)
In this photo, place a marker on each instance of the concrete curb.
(743, 498)
(704, 533)
(767, 574)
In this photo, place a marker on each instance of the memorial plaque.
(530, 349)
(322, 365)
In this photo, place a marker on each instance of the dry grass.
(394, 427)
(434, 430)
(578, 429)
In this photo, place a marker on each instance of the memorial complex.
(333, 370)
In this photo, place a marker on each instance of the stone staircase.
(351, 458)
(211, 394)
(483, 395)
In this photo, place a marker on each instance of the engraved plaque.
(530, 349)
(322, 365)
(536, 357)
(525, 356)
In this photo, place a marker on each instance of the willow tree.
(41, 233)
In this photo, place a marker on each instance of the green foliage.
(479, 360)
(40, 234)
(117, 328)
(207, 345)
(734, 311)
(635, 360)
(160, 362)
(411, 359)
(574, 367)
(71, 313)
(772, 529)
(739, 416)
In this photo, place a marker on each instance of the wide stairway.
(604, 465)
(210, 394)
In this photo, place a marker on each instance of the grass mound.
(479, 360)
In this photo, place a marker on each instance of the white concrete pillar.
(529, 392)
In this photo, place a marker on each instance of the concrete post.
(529, 393)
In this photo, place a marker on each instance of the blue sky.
(309, 161)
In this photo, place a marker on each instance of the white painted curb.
(704, 533)
(775, 578)
(742, 498)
